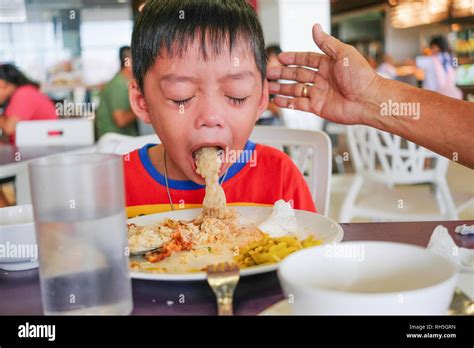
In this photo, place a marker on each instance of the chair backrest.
(54, 132)
(109, 142)
(301, 120)
(391, 159)
(311, 152)
(135, 143)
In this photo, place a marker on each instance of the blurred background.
(72, 49)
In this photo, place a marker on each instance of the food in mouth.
(208, 164)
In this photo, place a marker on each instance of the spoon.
(144, 252)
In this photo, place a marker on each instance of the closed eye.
(182, 102)
(238, 101)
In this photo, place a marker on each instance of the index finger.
(309, 59)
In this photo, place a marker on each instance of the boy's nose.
(210, 120)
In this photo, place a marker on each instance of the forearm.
(123, 118)
(436, 122)
(2, 123)
(8, 125)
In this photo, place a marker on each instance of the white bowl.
(368, 278)
(18, 247)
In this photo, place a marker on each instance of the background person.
(272, 115)
(22, 101)
(114, 114)
(438, 69)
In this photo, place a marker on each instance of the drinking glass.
(79, 212)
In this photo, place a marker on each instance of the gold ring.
(305, 91)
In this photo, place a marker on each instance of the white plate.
(279, 308)
(317, 225)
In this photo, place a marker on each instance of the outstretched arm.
(345, 89)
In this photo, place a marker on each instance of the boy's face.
(193, 103)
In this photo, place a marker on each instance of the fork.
(461, 304)
(223, 279)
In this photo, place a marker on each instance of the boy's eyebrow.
(238, 76)
(182, 78)
(178, 78)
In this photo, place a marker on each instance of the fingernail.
(320, 28)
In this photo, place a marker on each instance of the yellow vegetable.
(271, 250)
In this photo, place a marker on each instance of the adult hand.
(341, 88)
(345, 89)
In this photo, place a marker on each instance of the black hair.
(273, 50)
(441, 42)
(169, 26)
(123, 55)
(11, 74)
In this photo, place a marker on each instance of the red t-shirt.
(262, 176)
(28, 104)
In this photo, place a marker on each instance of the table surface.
(10, 154)
(20, 291)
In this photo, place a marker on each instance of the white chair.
(55, 132)
(48, 133)
(136, 143)
(108, 142)
(301, 120)
(311, 152)
(122, 144)
(387, 159)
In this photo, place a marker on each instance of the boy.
(199, 79)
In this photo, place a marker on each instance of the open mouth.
(220, 153)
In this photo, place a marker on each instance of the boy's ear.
(264, 98)
(137, 102)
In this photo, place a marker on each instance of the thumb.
(327, 43)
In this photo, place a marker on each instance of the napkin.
(464, 229)
(442, 244)
(281, 222)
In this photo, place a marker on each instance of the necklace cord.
(166, 179)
